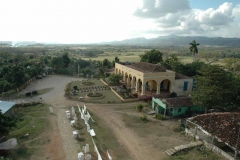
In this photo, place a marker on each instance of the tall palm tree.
(193, 49)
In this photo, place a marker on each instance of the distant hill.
(179, 41)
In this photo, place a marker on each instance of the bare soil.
(138, 140)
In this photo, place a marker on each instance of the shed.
(6, 106)
(174, 107)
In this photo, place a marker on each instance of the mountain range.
(171, 40)
(180, 41)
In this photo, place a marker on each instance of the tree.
(106, 63)
(153, 56)
(170, 61)
(216, 88)
(117, 59)
(66, 59)
(193, 49)
(101, 72)
(6, 123)
(115, 78)
(232, 64)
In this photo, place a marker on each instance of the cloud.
(159, 8)
(218, 17)
(184, 21)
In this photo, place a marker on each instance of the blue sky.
(205, 4)
(88, 21)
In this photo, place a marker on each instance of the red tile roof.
(225, 126)
(146, 67)
(178, 102)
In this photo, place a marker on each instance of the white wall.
(178, 87)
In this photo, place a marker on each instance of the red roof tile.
(225, 126)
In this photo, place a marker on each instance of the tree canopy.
(6, 123)
(216, 88)
(115, 78)
(153, 56)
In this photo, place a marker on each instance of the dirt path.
(140, 148)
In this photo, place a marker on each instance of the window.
(185, 87)
(179, 110)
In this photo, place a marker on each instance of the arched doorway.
(165, 86)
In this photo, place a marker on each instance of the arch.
(151, 85)
(166, 85)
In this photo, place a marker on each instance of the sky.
(91, 21)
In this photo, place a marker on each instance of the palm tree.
(193, 48)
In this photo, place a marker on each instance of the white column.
(143, 89)
(158, 89)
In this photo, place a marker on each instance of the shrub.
(135, 95)
(139, 107)
(173, 94)
(159, 116)
(28, 94)
(34, 92)
(144, 118)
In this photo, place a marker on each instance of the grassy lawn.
(104, 139)
(31, 120)
(197, 153)
(109, 96)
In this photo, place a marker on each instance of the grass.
(196, 153)
(31, 120)
(39, 92)
(105, 139)
(109, 96)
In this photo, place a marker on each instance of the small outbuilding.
(173, 107)
(6, 107)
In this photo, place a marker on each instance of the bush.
(159, 116)
(135, 95)
(144, 118)
(173, 94)
(34, 92)
(28, 94)
(139, 107)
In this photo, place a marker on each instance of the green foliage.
(66, 60)
(193, 49)
(140, 107)
(159, 116)
(6, 123)
(153, 56)
(170, 61)
(144, 118)
(173, 94)
(106, 63)
(216, 88)
(232, 64)
(189, 69)
(115, 78)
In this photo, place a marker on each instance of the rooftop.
(5, 106)
(181, 76)
(146, 67)
(225, 126)
(178, 102)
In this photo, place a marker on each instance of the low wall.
(123, 100)
(217, 150)
(210, 146)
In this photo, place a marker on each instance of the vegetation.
(216, 88)
(6, 123)
(31, 122)
(159, 116)
(115, 78)
(193, 49)
(140, 107)
(153, 56)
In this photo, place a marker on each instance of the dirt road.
(139, 147)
